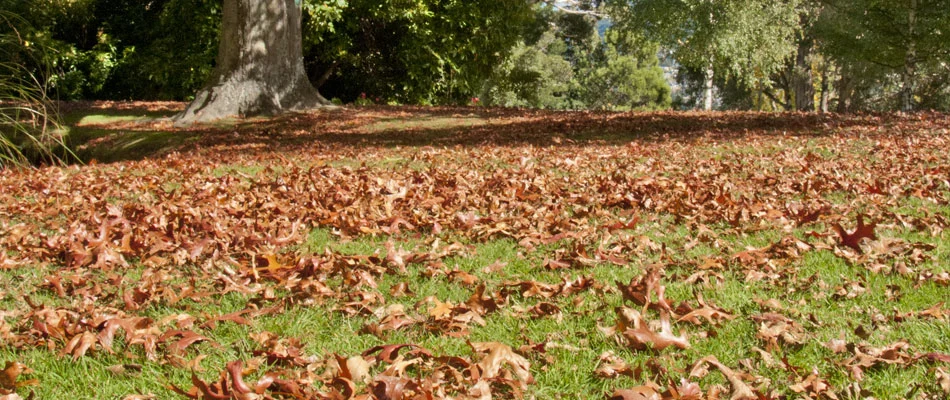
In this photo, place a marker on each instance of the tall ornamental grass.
(29, 131)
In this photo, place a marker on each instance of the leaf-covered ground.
(415, 253)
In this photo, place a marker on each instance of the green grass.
(804, 289)
(325, 332)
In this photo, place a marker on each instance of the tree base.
(247, 97)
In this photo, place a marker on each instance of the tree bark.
(845, 89)
(910, 61)
(708, 88)
(259, 67)
(802, 85)
(825, 90)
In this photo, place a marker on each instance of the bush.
(29, 133)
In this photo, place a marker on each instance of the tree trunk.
(845, 89)
(801, 78)
(708, 88)
(259, 67)
(825, 89)
(910, 61)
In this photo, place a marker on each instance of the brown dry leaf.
(495, 356)
(943, 379)
(740, 390)
(439, 310)
(641, 337)
(544, 309)
(392, 317)
(230, 385)
(400, 289)
(396, 258)
(389, 353)
(80, 344)
(392, 387)
(482, 303)
(125, 369)
(610, 366)
(644, 392)
(712, 315)
(687, 390)
(640, 290)
(815, 387)
(936, 312)
(494, 267)
(776, 329)
(187, 338)
(10, 375)
(463, 277)
(837, 345)
(853, 239)
(867, 356)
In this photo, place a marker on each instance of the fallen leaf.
(740, 390)
(641, 337)
(637, 393)
(495, 356)
(853, 239)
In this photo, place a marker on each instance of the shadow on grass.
(128, 132)
(111, 132)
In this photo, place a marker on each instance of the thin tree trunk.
(708, 88)
(910, 61)
(776, 101)
(326, 75)
(259, 68)
(844, 87)
(825, 88)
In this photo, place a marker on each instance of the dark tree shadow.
(362, 127)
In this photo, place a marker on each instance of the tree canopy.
(807, 55)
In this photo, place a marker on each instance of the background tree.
(419, 51)
(579, 62)
(536, 75)
(785, 55)
(625, 75)
(745, 40)
(879, 43)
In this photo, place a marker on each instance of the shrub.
(29, 132)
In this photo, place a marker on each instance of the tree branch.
(769, 94)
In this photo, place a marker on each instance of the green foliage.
(533, 76)
(571, 66)
(164, 49)
(29, 132)
(625, 75)
(742, 39)
(419, 51)
(74, 59)
(121, 49)
(869, 41)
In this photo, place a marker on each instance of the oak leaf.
(853, 239)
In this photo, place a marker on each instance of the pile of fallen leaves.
(231, 212)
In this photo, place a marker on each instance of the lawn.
(477, 253)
